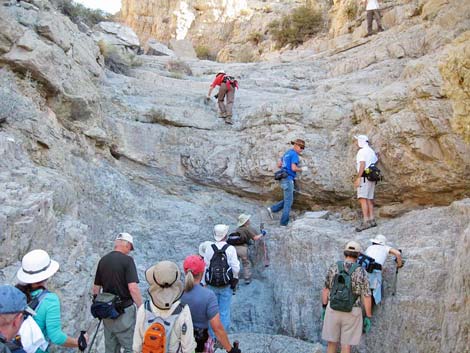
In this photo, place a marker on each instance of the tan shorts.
(345, 328)
(366, 189)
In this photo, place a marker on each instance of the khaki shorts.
(342, 327)
(366, 189)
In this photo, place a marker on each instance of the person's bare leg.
(331, 347)
(365, 209)
(346, 348)
(370, 209)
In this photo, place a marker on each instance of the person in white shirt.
(365, 188)
(372, 11)
(223, 292)
(379, 251)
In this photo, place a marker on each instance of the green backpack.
(341, 294)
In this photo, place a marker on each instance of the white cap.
(361, 140)
(126, 237)
(222, 71)
(379, 239)
(220, 231)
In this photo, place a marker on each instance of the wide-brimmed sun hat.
(203, 247)
(379, 239)
(195, 264)
(353, 246)
(165, 284)
(36, 266)
(242, 219)
(220, 231)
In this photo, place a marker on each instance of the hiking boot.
(247, 281)
(228, 120)
(2, 120)
(222, 116)
(362, 226)
(372, 223)
(270, 213)
(380, 29)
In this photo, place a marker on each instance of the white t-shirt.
(378, 253)
(365, 154)
(372, 5)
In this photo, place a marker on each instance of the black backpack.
(236, 239)
(368, 263)
(342, 297)
(219, 273)
(372, 173)
(34, 303)
(233, 82)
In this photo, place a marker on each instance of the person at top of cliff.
(379, 251)
(364, 187)
(372, 12)
(227, 85)
(290, 164)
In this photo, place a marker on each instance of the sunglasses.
(301, 147)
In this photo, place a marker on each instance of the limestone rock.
(116, 34)
(183, 49)
(158, 49)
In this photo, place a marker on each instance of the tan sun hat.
(36, 266)
(353, 246)
(242, 219)
(379, 239)
(165, 284)
(220, 231)
(203, 247)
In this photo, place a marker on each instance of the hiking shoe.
(270, 213)
(2, 120)
(247, 281)
(362, 226)
(222, 116)
(228, 121)
(372, 223)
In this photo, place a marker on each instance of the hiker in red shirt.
(227, 84)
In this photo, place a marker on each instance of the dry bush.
(203, 52)
(79, 13)
(179, 67)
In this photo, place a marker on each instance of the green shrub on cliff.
(298, 26)
(79, 13)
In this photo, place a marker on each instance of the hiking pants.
(285, 205)
(119, 333)
(224, 298)
(226, 109)
(371, 14)
(242, 252)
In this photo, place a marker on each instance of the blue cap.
(12, 300)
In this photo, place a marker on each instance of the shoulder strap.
(225, 247)
(353, 268)
(34, 304)
(340, 266)
(215, 248)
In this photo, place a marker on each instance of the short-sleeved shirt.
(218, 80)
(372, 5)
(289, 158)
(378, 253)
(367, 155)
(115, 271)
(248, 232)
(203, 305)
(360, 281)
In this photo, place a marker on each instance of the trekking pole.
(235, 345)
(94, 336)
(394, 287)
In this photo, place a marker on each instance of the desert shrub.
(79, 13)
(203, 52)
(351, 9)
(178, 67)
(298, 26)
(255, 37)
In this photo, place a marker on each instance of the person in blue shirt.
(290, 163)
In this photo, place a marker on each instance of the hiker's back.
(345, 290)
(219, 272)
(114, 274)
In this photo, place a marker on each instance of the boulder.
(183, 48)
(158, 49)
(116, 34)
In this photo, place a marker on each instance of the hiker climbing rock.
(365, 188)
(203, 305)
(36, 268)
(227, 86)
(346, 283)
(241, 238)
(221, 276)
(373, 12)
(379, 251)
(13, 309)
(163, 323)
(116, 277)
(289, 166)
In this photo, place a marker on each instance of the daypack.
(372, 173)
(230, 80)
(342, 297)
(368, 263)
(219, 272)
(158, 330)
(236, 238)
(106, 306)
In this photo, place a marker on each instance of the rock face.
(87, 153)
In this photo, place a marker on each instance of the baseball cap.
(194, 263)
(126, 237)
(12, 301)
(353, 246)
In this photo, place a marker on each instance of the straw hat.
(165, 284)
(242, 219)
(36, 266)
(220, 231)
(379, 239)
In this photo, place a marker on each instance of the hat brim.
(377, 241)
(163, 298)
(239, 224)
(28, 278)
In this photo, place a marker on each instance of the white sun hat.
(242, 219)
(220, 231)
(36, 266)
(379, 239)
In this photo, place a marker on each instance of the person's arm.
(138, 331)
(367, 301)
(220, 333)
(325, 295)
(279, 163)
(135, 293)
(211, 88)
(233, 260)
(96, 290)
(362, 166)
(295, 167)
(53, 322)
(398, 256)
